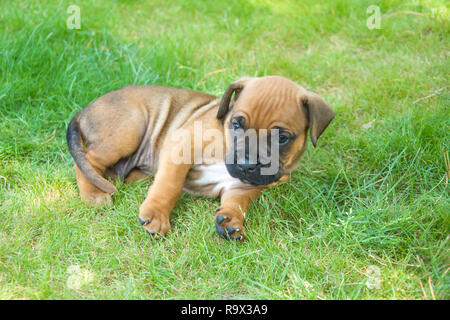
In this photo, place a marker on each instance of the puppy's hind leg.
(98, 138)
(89, 192)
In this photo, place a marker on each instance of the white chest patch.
(215, 178)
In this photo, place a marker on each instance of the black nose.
(247, 167)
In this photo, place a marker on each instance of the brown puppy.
(195, 142)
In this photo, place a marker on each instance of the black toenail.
(221, 219)
(230, 229)
(220, 230)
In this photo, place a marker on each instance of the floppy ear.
(320, 115)
(236, 87)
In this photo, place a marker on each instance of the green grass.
(365, 199)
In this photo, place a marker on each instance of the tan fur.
(129, 132)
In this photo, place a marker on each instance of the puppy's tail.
(76, 150)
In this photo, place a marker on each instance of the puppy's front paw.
(155, 224)
(229, 226)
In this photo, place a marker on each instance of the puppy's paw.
(156, 225)
(229, 226)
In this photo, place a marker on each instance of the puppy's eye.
(282, 139)
(235, 125)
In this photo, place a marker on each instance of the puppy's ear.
(320, 115)
(236, 87)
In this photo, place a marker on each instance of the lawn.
(366, 215)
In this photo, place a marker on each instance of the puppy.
(231, 147)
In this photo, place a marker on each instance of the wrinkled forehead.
(272, 103)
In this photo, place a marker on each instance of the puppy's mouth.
(254, 176)
(245, 181)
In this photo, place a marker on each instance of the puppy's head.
(268, 121)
